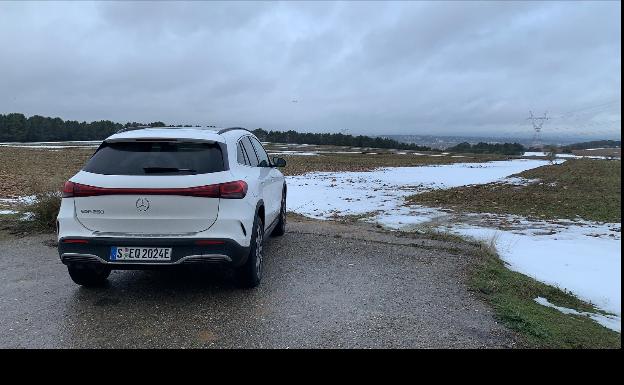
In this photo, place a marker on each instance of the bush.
(551, 154)
(44, 210)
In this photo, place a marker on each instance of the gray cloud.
(466, 68)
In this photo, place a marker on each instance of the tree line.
(489, 148)
(592, 144)
(16, 127)
(334, 139)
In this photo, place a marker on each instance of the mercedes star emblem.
(142, 204)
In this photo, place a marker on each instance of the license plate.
(145, 254)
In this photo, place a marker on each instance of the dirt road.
(326, 284)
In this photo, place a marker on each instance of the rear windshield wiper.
(165, 170)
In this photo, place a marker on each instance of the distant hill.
(445, 141)
(593, 144)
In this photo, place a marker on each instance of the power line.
(575, 112)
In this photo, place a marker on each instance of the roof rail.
(178, 127)
(224, 130)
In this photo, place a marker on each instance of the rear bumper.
(184, 252)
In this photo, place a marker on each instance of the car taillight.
(68, 189)
(229, 190)
(233, 190)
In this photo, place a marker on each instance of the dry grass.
(27, 171)
(40, 215)
(38, 172)
(615, 152)
(589, 189)
(296, 165)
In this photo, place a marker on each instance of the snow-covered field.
(563, 156)
(292, 153)
(325, 194)
(581, 257)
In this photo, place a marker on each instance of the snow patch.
(608, 321)
(326, 194)
(578, 256)
(25, 200)
(519, 181)
(565, 156)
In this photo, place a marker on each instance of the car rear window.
(156, 158)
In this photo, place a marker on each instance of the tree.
(551, 154)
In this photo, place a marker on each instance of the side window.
(263, 158)
(240, 155)
(251, 154)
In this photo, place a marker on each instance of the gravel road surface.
(326, 285)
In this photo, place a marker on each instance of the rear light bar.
(205, 242)
(75, 241)
(229, 190)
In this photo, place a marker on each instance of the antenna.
(537, 122)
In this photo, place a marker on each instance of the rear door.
(263, 173)
(151, 187)
(273, 182)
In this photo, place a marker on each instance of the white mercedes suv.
(161, 197)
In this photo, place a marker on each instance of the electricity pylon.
(537, 122)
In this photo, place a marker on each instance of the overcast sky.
(465, 68)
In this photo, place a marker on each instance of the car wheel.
(280, 228)
(250, 274)
(88, 275)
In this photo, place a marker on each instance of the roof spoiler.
(131, 129)
(224, 130)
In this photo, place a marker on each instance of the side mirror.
(278, 162)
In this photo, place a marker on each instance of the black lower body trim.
(183, 251)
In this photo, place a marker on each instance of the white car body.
(147, 210)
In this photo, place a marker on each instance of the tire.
(88, 275)
(250, 274)
(280, 228)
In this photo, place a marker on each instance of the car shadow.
(180, 281)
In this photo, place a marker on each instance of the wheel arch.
(260, 210)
